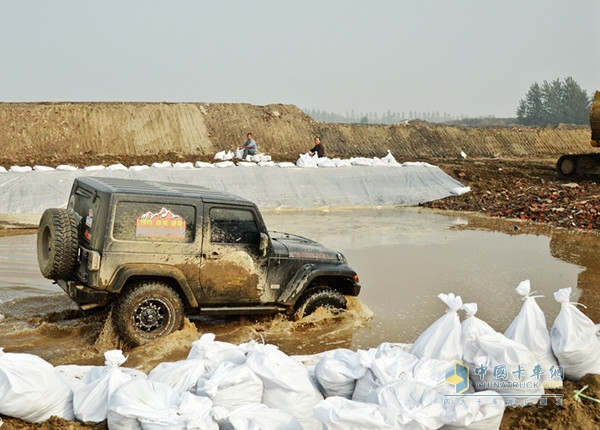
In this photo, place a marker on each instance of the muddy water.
(404, 257)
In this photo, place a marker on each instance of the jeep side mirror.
(264, 244)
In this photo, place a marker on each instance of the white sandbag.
(342, 163)
(361, 161)
(225, 155)
(91, 398)
(140, 398)
(247, 164)
(306, 160)
(390, 160)
(471, 328)
(337, 372)
(189, 413)
(204, 164)
(258, 416)
(459, 191)
(72, 374)
(339, 413)
(385, 364)
(516, 364)
(95, 168)
(215, 352)
(223, 164)
(239, 153)
(285, 164)
(32, 390)
(231, 386)
(182, 375)
(475, 414)
(433, 373)
(378, 162)
(185, 165)
(574, 340)
(287, 385)
(113, 167)
(43, 168)
(257, 158)
(139, 168)
(415, 405)
(530, 329)
(20, 169)
(442, 339)
(325, 162)
(66, 168)
(162, 165)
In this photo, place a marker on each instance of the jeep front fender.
(310, 272)
(164, 271)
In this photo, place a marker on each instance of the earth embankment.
(90, 133)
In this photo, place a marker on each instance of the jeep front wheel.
(312, 300)
(57, 243)
(145, 311)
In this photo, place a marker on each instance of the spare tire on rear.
(57, 243)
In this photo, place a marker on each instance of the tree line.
(548, 103)
(388, 117)
(555, 102)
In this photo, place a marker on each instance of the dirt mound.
(93, 133)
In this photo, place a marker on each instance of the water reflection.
(404, 257)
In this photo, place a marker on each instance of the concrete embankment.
(33, 133)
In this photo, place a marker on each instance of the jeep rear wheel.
(312, 300)
(146, 311)
(57, 243)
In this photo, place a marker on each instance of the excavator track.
(584, 165)
(578, 165)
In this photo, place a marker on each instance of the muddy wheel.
(312, 300)
(57, 243)
(145, 311)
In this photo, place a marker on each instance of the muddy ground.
(524, 191)
(511, 173)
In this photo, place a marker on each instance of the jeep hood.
(293, 246)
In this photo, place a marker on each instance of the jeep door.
(232, 268)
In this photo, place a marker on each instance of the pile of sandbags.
(456, 375)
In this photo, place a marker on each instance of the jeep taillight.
(93, 263)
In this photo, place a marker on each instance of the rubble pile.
(545, 198)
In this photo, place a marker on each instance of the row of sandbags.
(569, 350)
(249, 386)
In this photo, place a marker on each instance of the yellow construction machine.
(572, 165)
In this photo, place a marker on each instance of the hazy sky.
(471, 57)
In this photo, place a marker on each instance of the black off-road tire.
(145, 311)
(57, 243)
(313, 299)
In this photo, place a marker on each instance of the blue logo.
(458, 375)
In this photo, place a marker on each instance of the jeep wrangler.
(156, 250)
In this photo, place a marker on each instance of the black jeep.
(155, 250)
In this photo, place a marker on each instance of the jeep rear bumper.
(85, 297)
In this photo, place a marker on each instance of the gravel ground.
(523, 189)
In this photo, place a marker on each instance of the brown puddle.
(405, 258)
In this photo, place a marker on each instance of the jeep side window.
(233, 226)
(136, 221)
